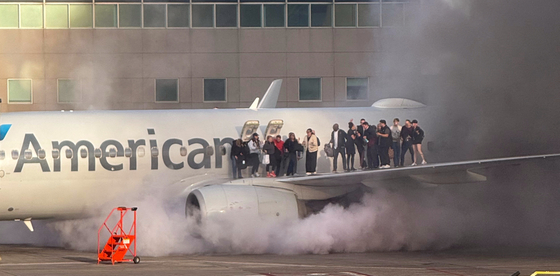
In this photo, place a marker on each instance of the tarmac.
(30, 260)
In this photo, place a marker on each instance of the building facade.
(180, 54)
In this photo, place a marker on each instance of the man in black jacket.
(338, 141)
(384, 142)
(360, 143)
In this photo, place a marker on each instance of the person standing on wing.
(338, 141)
(396, 146)
(417, 137)
(385, 139)
(311, 145)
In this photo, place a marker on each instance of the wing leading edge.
(438, 174)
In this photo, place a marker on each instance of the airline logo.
(4, 130)
(114, 163)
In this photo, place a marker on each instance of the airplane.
(64, 165)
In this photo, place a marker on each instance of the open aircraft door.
(249, 128)
(273, 128)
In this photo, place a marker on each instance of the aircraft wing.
(442, 173)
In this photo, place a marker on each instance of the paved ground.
(28, 260)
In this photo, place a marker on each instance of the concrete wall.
(118, 67)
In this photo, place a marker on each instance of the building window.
(356, 88)
(9, 16)
(298, 15)
(321, 15)
(130, 16)
(31, 16)
(250, 15)
(167, 90)
(57, 16)
(81, 16)
(178, 16)
(20, 91)
(203, 16)
(69, 91)
(345, 15)
(393, 15)
(105, 16)
(226, 15)
(369, 15)
(154, 16)
(214, 90)
(274, 15)
(310, 89)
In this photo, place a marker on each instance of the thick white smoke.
(520, 209)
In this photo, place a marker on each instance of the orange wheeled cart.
(120, 242)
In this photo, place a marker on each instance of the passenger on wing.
(417, 137)
(235, 148)
(290, 147)
(255, 147)
(338, 141)
(406, 136)
(239, 152)
(396, 146)
(385, 140)
(311, 145)
(361, 144)
(351, 146)
(269, 149)
(371, 142)
(278, 152)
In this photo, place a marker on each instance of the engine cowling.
(259, 201)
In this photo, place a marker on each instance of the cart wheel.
(136, 260)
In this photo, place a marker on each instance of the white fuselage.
(31, 187)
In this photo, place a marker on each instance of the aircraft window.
(27, 154)
(97, 153)
(69, 153)
(55, 153)
(141, 151)
(15, 154)
(83, 153)
(112, 152)
(128, 152)
(183, 151)
(2, 155)
(42, 154)
(154, 151)
(209, 150)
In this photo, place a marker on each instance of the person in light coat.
(311, 144)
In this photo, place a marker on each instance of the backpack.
(318, 141)
(329, 150)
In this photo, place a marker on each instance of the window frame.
(8, 91)
(70, 15)
(117, 15)
(58, 91)
(285, 16)
(358, 15)
(192, 4)
(164, 102)
(166, 23)
(403, 4)
(320, 90)
(43, 13)
(311, 15)
(367, 89)
(225, 92)
(188, 4)
(18, 15)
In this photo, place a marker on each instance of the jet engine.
(258, 201)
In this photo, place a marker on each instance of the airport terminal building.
(158, 54)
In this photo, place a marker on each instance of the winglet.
(255, 104)
(28, 223)
(271, 96)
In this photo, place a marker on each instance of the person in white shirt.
(396, 135)
(255, 147)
